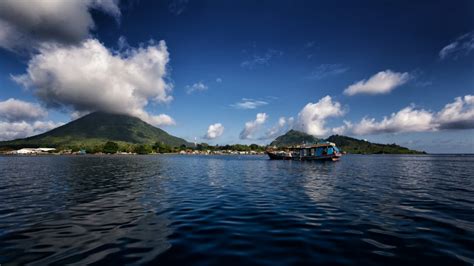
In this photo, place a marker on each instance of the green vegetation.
(357, 146)
(293, 137)
(160, 147)
(93, 131)
(110, 147)
(143, 149)
(346, 144)
(233, 147)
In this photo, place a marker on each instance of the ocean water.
(231, 210)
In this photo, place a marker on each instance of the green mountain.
(98, 128)
(347, 144)
(294, 137)
(357, 146)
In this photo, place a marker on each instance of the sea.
(236, 210)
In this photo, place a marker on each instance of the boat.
(324, 151)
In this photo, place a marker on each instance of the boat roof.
(317, 145)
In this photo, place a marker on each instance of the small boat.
(324, 151)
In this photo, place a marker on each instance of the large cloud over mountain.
(312, 118)
(26, 24)
(89, 77)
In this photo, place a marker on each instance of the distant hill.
(98, 128)
(347, 144)
(294, 137)
(357, 146)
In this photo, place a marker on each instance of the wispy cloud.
(219, 80)
(327, 70)
(246, 103)
(196, 87)
(380, 83)
(309, 44)
(463, 45)
(309, 49)
(177, 7)
(261, 59)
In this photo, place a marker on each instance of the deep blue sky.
(288, 54)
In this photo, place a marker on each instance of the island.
(105, 133)
(345, 143)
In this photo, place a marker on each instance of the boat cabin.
(320, 149)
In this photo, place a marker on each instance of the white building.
(34, 150)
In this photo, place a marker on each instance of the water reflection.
(319, 180)
(209, 210)
(106, 212)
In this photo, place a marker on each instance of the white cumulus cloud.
(456, 115)
(88, 77)
(280, 128)
(13, 110)
(312, 118)
(380, 83)
(251, 127)
(406, 120)
(157, 120)
(23, 129)
(214, 131)
(26, 24)
(20, 119)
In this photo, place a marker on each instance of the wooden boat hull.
(332, 157)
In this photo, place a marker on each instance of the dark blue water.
(221, 210)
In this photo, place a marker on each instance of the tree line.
(111, 147)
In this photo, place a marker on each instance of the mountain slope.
(357, 146)
(347, 144)
(97, 128)
(294, 137)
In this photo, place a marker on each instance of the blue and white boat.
(324, 151)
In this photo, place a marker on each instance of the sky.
(225, 72)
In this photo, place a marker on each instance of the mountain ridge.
(98, 128)
(294, 137)
(345, 143)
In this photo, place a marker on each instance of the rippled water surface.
(220, 210)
